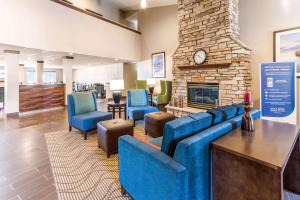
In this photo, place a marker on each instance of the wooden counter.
(256, 166)
(37, 97)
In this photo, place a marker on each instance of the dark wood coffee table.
(120, 107)
(256, 166)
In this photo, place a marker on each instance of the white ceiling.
(135, 4)
(29, 57)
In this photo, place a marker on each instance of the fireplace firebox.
(203, 95)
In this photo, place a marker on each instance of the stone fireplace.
(213, 26)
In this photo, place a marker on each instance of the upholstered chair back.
(80, 103)
(141, 84)
(137, 98)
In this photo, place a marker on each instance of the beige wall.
(258, 20)
(53, 27)
(159, 27)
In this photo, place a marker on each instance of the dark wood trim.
(94, 12)
(11, 51)
(69, 57)
(165, 71)
(69, 2)
(274, 39)
(222, 65)
(94, 15)
(40, 61)
(13, 115)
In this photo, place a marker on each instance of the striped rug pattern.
(81, 170)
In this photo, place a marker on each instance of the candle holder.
(247, 120)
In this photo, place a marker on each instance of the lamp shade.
(151, 81)
(116, 85)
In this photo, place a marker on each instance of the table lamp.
(116, 86)
(151, 84)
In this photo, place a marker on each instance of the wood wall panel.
(36, 97)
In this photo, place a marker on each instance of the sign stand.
(278, 92)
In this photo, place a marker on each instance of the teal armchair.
(138, 104)
(164, 96)
(141, 84)
(83, 113)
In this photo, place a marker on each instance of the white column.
(68, 75)
(22, 74)
(39, 72)
(11, 91)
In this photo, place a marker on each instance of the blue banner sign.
(278, 98)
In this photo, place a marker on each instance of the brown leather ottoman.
(109, 132)
(155, 122)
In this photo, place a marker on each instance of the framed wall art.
(287, 46)
(158, 65)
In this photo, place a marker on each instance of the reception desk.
(41, 97)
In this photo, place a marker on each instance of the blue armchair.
(83, 113)
(138, 104)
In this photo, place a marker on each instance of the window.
(30, 77)
(49, 76)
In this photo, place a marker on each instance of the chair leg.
(123, 191)
(85, 135)
(70, 128)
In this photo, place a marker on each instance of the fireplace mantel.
(219, 65)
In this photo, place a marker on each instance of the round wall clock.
(200, 56)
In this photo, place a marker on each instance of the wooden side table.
(257, 165)
(120, 107)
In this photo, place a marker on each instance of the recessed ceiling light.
(144, 4)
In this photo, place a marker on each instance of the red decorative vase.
(247, 120)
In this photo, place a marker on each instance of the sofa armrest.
(149, 174)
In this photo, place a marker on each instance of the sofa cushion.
(179, 129)
(88, 121)
(240, 108)
(230, 111)
(222, 113)
(202, 121)
(176, 129)
(138, 98)
(139, 112)
(83, 102)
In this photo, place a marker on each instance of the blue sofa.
(181, 170)
(138, 104)
(83, 113)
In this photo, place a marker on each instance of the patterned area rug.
(81, 170)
